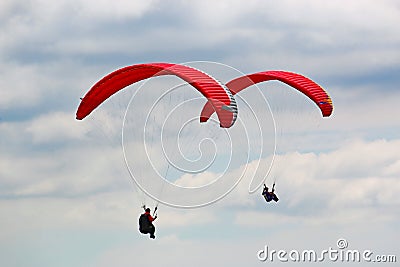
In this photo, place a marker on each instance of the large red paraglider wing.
(219, 97)
(308, 87)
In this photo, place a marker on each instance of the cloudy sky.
(66, 197)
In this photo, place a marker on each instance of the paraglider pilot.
(269, 196)
(146, 223)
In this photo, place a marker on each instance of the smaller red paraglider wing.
(219, 97)
(305, 85)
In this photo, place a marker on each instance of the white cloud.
(175, 219)
(64, 172)
(55, 127)
(106, 9)
(20, 86)
(43, 11)
(256, 26)
(173, 251)
(360, 159)
(189, 180)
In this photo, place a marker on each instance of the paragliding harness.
(145, 226)
(269, 196)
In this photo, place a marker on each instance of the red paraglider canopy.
(305, 85)
(219, 97)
